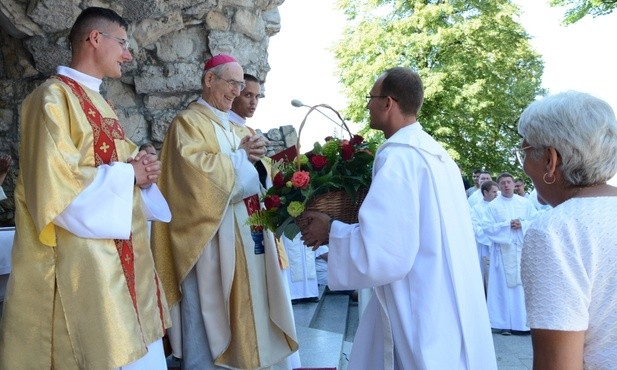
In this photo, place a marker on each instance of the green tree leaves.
(478, 68)
(581, 8)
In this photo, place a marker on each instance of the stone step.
(321, 340)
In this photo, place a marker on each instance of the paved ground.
(513, 352)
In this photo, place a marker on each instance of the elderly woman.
(569, 263)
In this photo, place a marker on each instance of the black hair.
(91, 18)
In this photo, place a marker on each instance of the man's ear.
(93, 38)
(208, 79)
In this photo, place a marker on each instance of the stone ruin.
(170, 40)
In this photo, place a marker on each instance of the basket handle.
(314, 107)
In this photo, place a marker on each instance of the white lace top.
(569, 272)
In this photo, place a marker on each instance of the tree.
(478, 69)
(581, 8)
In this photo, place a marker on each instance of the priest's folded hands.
(255, 146)
(147, 168)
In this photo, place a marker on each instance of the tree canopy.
(478, 69)
(581, 8)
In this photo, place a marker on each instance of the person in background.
(476, 197)
(230, 307)
(480, 220)
(568, 265)
(413, 244)
(509, 216)
(519, 188)
(83, 292)
(475, 176)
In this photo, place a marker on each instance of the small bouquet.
(332, 168)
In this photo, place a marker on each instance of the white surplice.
(302, 274)
(414, 244)
(480, 220)
(505, 296)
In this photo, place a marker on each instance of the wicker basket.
(337, 204)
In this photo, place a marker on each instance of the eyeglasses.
(124, 43)
(369, 97)
(240, 85)
(521, 153)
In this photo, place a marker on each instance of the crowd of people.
(93, 288)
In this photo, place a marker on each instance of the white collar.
(88, 81)
(235, 118)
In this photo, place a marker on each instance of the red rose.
(347, 151)
(272, 201)
(356, 140)
(279, 180)
(300, 179)
(319, 162)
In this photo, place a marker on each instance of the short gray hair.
(581, 127)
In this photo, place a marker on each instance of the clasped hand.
(254, 146)
(147, 168)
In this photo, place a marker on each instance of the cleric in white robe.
(414, 244)
(510, 217)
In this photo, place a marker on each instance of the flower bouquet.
(331, 178)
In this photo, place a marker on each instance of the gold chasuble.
(244, 303)
(72, 302)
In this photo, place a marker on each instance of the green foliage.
(581, 8)
(476, 63)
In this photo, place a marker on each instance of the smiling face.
(111, 53)
(246, 104)
(220, 93)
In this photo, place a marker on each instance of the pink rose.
(319, 161)
(272, 201)
(300, 179)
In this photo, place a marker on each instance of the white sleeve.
(104, 209)
(2, 194)
(557, 285)
(154, 205)
(247, 179)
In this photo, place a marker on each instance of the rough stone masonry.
(170, 40)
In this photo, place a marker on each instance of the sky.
(576, 57)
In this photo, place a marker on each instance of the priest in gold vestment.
(83, 292)
(230, 308)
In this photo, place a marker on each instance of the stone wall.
(170, 40)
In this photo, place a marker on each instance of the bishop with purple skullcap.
(217, 60)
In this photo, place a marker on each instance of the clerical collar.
(235, 118)
(88, 81)
(222, 116)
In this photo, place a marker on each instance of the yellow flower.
(295, 208)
